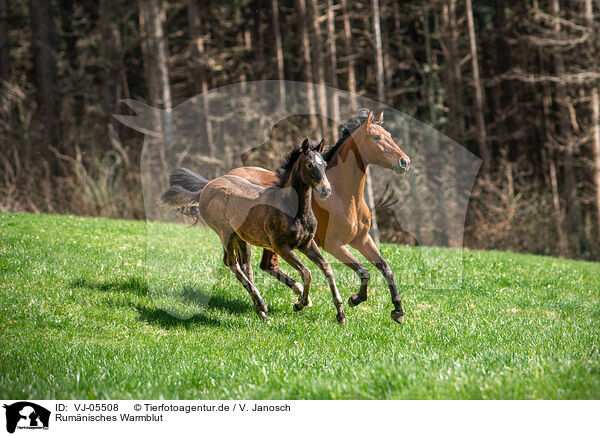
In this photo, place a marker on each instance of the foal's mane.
(347, 129)
(286, 166)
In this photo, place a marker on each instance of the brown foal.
(277, 216)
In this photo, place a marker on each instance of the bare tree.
(351, 78)
(595, 103)
(434, 165)
(44, 55)
(111, 57)
(198, 36)
(154, 51)
(378, 51)
(307, 64)
(333, 82)
(319, 67)
(279, 51)
(573, 207)
(479, 98)
(4, 49)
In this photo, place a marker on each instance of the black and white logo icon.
(26, 415)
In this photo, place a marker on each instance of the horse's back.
(255, 175)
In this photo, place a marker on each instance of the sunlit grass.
(79, 319)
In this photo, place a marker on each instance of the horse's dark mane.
(349, 127)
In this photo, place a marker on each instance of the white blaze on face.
(319, 159)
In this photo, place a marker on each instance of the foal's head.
(306, 163)
(377, 146)
(312, 168)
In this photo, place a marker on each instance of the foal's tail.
(184, 192)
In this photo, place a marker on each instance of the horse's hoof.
(264, 317)
(298, 306)
(354, 300)
(341, 318)
(298, 288)
(261, 306)
(398, 317)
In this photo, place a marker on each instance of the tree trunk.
(333, 81)
(319, 68)
(48, 96)
(111, 57)
(199, 68)
(4, 49)
(454, 74)
(279, 50)
(351, 81)
(563, 244)
(154, 52)
(433, 167)
(589, 16)
(479, 98)
(573, 208)
(378, 51)
(307, 64)
(596, 121)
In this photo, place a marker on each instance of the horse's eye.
(376, 137)
(309, 165)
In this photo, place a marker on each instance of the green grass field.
(79, 320)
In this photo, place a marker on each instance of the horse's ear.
(321, 146)
(380, 118)
(369, 118)
(305, 146)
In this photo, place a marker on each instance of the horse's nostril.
(403, 163)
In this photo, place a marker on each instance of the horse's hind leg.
(244, 253)
(270, 264)
(260, 307)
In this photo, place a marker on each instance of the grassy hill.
(78, 319)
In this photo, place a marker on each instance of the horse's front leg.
(313, 253)
(367, 248)
(344, 255)
(270, 265)
(290, 257)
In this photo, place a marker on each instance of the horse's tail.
(184, 192)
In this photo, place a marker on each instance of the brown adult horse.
(278, 217)
(344, 217)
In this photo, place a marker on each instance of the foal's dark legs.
(270, 264)
(244, 253)
(290, 257)
(313, 253)
(260, 307)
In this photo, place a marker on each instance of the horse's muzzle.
(402, 166)
(323, 189)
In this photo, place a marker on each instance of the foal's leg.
(290, 257)
(270, 265)
(244, 253)
(260, 307)
(347, 258)
(367, 248)
(313, 253)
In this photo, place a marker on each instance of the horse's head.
(312, 168)
(377, 147)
